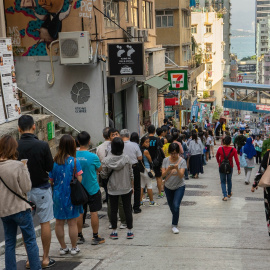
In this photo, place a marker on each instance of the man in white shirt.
(132, 150)
(102, 149)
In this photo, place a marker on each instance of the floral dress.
(61, 176)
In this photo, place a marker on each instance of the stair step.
(33, 111)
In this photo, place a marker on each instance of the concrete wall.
(132, 106)
(31, 77)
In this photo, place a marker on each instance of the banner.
(194, 112)
(11, 109)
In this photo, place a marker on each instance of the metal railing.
(51, 112)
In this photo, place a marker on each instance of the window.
(208, 47)
(111, 9)
(134, 13)
(126, 11)
(208, 28)
(185, 19)
(170, 54)
(147, 14)
(164, 18)
(186, 53)
(193, 29)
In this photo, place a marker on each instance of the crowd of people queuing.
(124, 165)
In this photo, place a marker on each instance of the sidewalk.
(213, 234)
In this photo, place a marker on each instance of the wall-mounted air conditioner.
(143, 35)
(133, 33)
(74, 48)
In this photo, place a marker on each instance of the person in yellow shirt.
(223, 127)
(166, 145)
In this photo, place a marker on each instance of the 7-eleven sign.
(178, 79)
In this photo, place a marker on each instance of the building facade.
(207, 29)
(262, 9)
(127, 100)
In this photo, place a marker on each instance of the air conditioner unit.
(133, 33)
(74, 48)
(143, 35)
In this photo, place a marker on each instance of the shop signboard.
(51, 130)
(126, 59)
(9, 103)
(226, 113)
(178, 79)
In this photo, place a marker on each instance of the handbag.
(33, 206)
(151, 173)
(78, 195)
(243, 162)
(265, 180)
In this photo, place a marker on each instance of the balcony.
(208, 57)
(266, 73)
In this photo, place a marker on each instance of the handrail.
(42, 106)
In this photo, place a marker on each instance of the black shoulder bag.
(79, 195)
(33, 206)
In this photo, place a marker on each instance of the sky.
(243, 14)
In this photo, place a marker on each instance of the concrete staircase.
(29, 107)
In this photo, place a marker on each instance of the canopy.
(158, 83)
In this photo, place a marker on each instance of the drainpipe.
(105, 94)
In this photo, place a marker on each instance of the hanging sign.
(178, 79)
(126, 59)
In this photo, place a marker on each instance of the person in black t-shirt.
(155, 142)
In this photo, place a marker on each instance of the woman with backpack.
(224, 156)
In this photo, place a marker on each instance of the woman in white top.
(258, 143)
(212, 144)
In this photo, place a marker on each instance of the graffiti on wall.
(34, 24)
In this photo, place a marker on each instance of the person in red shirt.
(227, 178)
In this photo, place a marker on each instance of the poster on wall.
(8, 82)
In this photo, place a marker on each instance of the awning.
(158, 83)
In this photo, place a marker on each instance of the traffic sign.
(179, 107)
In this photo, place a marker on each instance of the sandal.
(27, 265)
(51, 263)
(229, 196)
(225, 199)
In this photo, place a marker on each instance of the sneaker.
(153, 204)
(186, 178)
(146, 200)
(110, 226)
(161, 195)
(123, 226)
(137, 211)
(130, 235)
(80, 240)
(142, 203)
(175, 230)
(64, 251)
(75, 251)
(97, 241)
(114, 235)
(85, 225)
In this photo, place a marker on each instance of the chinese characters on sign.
(80, 109)
(9, 96)
(178, 79)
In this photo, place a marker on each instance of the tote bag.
(265, 180)
(243, 162)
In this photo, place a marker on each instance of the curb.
(19, 240)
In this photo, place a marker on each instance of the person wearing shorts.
(91, 165)
(39, 160)
(146, 181)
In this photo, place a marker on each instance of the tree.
(254, 57)
(218, 111)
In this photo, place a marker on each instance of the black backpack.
(159, 157)
(225, 166)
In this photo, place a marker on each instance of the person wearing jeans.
(230, 153)
(14, 211)
(173, 170)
